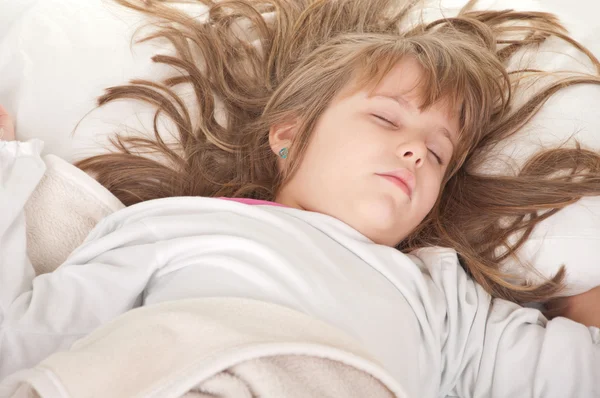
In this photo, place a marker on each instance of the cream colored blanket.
(208, 348)
(61, 212)
(217, 348)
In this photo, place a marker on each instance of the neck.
(288, 201)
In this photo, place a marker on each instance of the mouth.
(403, 179)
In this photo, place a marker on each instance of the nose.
(414, 152)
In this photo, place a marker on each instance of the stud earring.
(283, 153)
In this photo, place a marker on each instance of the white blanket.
(53, 66)
(64, 207)
(433, 329)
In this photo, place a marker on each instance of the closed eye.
(389, 122)
(385, 120)
(437, 157)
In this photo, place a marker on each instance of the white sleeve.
(21, 169)
(525, 355)
(495, 348)
(43, 314)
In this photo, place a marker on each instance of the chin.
(380, 221)
(382, 212)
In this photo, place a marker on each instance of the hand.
(7, 127)
(583, 308)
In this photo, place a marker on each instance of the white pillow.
(572, 236)
(57, 57)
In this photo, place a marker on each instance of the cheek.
(333, 146)
(431, 191)
(317, 167)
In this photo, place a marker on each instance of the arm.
(583, 308)
(516, 352)
(40, 315)
(496, 348)
(523, 352)
(20, 170)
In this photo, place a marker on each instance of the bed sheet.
(57, 57)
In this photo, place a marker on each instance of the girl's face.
(374, 160)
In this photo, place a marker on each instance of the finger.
(7, 129)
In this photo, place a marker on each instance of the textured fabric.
(219, 347)
(420, 316)
(65, 206)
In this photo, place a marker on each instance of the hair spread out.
(296, 56)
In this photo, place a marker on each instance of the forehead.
(406, 83)
(405, 78)
(408, 79)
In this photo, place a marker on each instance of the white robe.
(420, 316)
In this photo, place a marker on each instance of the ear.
(281, 136)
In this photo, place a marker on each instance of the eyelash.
(437, 157)
(385, 120)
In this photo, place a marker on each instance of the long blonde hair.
(303, 57)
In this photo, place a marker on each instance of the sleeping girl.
(341, 141)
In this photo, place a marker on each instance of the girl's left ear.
(281, 137)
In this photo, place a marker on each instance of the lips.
(402, 178)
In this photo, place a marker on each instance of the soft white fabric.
(292, 376)
(63, 209)
(571, 237)
(228, 347)
(431, 327)
(57, 56)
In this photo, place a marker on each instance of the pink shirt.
(254, 202)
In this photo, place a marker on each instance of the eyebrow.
(405, 104)
(447, 134)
